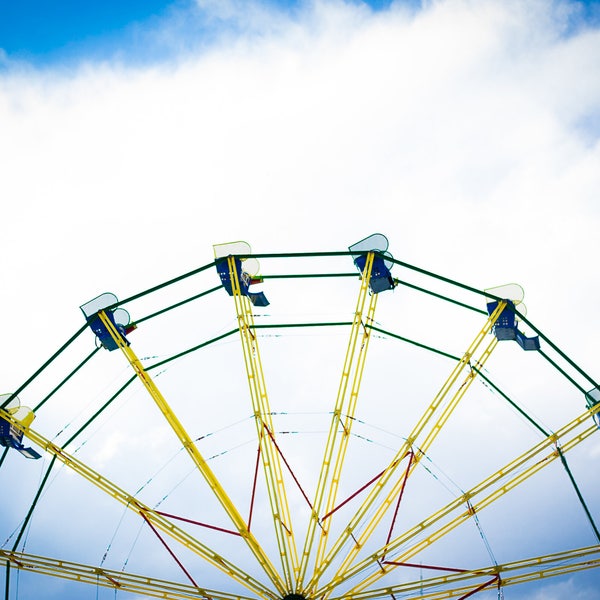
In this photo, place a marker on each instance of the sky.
(134, 136)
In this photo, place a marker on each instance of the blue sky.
(42, 33)
(33, 30)
(135, 135)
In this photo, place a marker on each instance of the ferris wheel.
(301, 426)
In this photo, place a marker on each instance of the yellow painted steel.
(569, 436)
(118, 580)
(269, 453)
(389, 500)
(445, 586)
(343, 413)
(542, 567)
(195, 454)
(366, 506)
(515, 580)
(135, 505)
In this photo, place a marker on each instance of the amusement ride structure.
(415, 474)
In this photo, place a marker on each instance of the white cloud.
(564, 589)
(474, 111)
(467, 132)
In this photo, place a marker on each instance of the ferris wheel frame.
(315, 563)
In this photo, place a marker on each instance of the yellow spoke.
(135, 505)
(335, 448)
(540, 567)
(269, 454)
(320, 542)
(384, 506)
(118, 580)
(194, 453)
(407, 447)
(466, 503)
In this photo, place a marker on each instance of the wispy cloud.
(467, 132)
(482, 115)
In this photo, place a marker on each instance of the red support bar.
(168, 549)
(416, 566)
(230, 531)
(410, 460)
(17, 562)
(496, 579)
(284, 526)
(287, 465)
(364, 487)
(111, 579)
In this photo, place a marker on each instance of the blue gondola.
(592, 399)
(119, 317)
(245, 280)
(506, 328)
(11, 436)
(381, 277)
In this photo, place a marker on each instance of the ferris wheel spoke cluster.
(351, 548)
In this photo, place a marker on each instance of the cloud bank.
(467, 132)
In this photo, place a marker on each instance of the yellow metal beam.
(269, 454)
(388, 501)
(195, 454)
(117, 580)
(521, 468)
(366, 507)
(135, 505)
(343, 413)
(452, 584)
